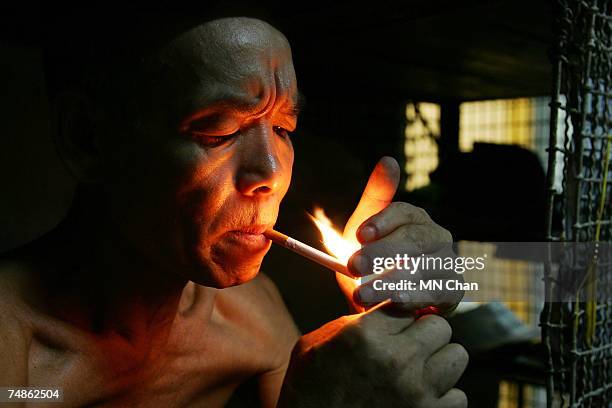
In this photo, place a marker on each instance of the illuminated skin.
(148, 295)
(386, 229)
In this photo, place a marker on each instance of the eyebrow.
(238, 103)
(298, 104)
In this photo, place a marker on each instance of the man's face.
(200, 173)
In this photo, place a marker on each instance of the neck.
(103, 285)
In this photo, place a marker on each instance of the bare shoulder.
(270, 300)
(271, 306)
(259, 308)
(261, 300)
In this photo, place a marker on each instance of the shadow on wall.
(494, 193)
(37, 189)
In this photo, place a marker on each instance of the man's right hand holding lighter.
(375, 359)
(387, 356)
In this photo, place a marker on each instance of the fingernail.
(360, 264)
(367, 233)
(363, 295)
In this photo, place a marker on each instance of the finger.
(377, 195)
(347, 286)
(396, 215)
(455, 398)
(323, 333)
(445, 367)
(409, 240)
(399, 293)
(412, 282)
(409, 295)
(429, 334)
(378, 320)
(442, 305)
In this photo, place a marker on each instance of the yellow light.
(332, 239)
(339, 247)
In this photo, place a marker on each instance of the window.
(420, 148)
(520, 121)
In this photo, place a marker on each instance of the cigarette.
(307, 251)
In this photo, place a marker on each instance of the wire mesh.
(578, 334)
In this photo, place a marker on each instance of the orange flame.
(333, 240)
(339, 247)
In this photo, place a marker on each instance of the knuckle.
(440, 325)
(422, 213)
(413, 351)
(399, 206)
(374, 352)
(448, 302)
(408, 210)
(447, 237)
(418, 214)
(384, 357)
(461, 354)
(358, 335)
(404, 233)
(412, 387)
(462, 400)
(418, 394)
(409, 234)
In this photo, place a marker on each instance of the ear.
(75, 130)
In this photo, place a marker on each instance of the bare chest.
(201, 365)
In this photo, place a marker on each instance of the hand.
(386, 229)
(375, 359)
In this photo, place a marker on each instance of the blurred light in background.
(421, 149)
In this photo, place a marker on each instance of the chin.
(220, 268)
(225, 276)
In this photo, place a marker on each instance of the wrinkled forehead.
(228, 55)
(230, 37)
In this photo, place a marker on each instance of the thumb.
(376, 196)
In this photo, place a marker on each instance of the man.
(148, 294)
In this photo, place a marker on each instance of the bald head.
(237, 61)
(191, 142)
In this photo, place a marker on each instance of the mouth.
(249, 238)
(253, 229)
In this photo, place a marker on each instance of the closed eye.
(213, 141)
(282, 132)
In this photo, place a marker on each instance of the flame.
(339, 247)
(335, 244)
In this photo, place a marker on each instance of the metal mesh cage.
(578, 333)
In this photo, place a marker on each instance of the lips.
(249, 238)
(252, 229)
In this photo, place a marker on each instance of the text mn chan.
(425, 285)
(444, 284)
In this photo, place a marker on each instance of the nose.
(260, 169)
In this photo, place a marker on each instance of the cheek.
(163, 188)
(205, 188)
(154, 169)
(287, 167)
